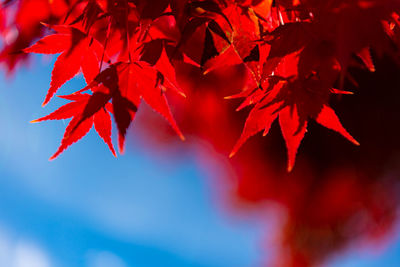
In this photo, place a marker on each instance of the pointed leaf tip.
(237, 146)
(54, 156)
(293, 131)
(121, 144)
(328, 118)
(182, 94)
(290, 168)
(113, 151)
(48, 97)
(342, 92)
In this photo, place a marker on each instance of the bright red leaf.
(81, 123)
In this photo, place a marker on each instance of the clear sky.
(87, 208)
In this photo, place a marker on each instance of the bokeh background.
(149, 207)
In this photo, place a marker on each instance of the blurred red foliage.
(337, 194)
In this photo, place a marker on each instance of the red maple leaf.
(126, 84)
(82, 121)
(79, 52)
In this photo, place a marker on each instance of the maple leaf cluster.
(297, 54)
(285, 58)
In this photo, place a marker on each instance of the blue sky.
(87, 208)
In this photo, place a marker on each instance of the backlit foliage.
(296, 52)
(291, 58)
